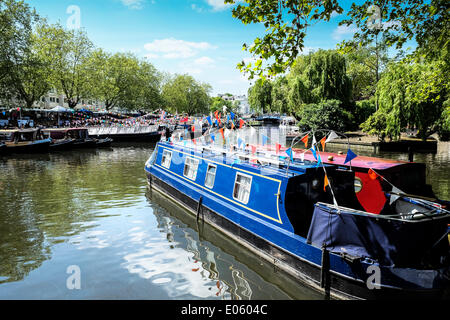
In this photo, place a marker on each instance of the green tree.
(30, 79)
(70, 51)
(279, 94)
(16, 27)
(410, 95)
(326, 114)
(317, 77)
(217, 104)
(287, 22)
(20, 67)
(122, 80)
(183, 94)
(260, 96)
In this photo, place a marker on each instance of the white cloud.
(343, 31)
(175, 49)
(218, 5)
(133, 4)
(151, 56)
(204, 61)
(196, 8)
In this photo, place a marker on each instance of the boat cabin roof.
(269, 165)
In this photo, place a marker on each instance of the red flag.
(241, 123)
(253, 149)
(326, 183)
(222, 133)
(193, 140)
(278, 147)
(322, 142)
(218, 117)
(305, 140)
(372, 174)
(193, 128)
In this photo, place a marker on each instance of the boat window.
(358, 185)
(166, 159)
(190, 168)
(210, 176)
(242, 187)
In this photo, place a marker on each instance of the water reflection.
(227, 270)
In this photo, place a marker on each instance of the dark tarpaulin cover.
(390, 242)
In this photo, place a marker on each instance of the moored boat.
(128, 134)
(24, 141)
(308, 221)
(71, 137)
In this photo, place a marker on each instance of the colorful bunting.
(314, 152)
(264, 140)
(305, 140)
(372, 174)
(277, 147)
(290, 153)
(332, 136)
(350, 156)
(322, 142)
(326, 183)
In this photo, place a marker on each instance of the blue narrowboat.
(306, 219)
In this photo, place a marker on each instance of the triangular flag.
(394, 197)
(209, 120)
(332, 136)
(277, 147)
(252, 131)
(326, 183)
(290, 154)
(240, 141)
(241, 123)
(213, 138)
(322, 142)
(313, 150)
(350, 156)
(319, 161)
(222, 133)
(314, 141)
(264, 140)
(372, 174)
(305, 140)
(253, 149)
(232, 115)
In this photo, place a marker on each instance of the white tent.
(58, 109)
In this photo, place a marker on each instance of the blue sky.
(198, 37)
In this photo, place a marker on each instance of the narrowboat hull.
(334, 276)
(85, 143)
(41, 146)
(62, 145)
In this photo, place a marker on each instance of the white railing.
(94, 131)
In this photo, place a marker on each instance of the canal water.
(84, 225)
